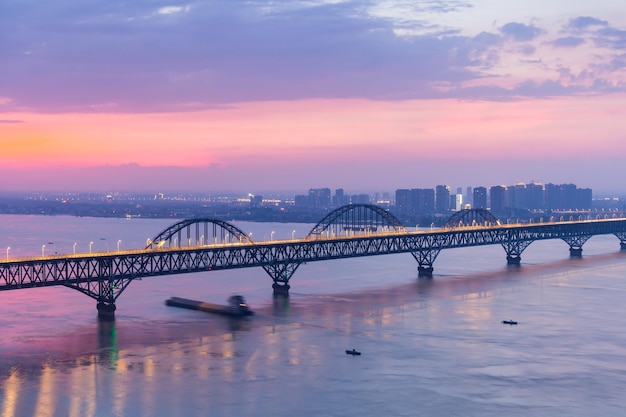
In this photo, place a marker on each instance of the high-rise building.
(479, 195)
(457, 201)
(319, 197)
(423, 200)
(497, 197)
(566, 197)
(535, 196)
(340, 198)
(518, 196)
(469, 196)
(403, 200)
(442, 198)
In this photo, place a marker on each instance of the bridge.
(200, 245)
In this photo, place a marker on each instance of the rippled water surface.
(430, 346)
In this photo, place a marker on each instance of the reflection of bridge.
(351, 231)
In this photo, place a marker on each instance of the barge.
(236, 306)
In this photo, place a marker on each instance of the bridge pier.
(576, 252)
(106, 312)
(280, 289)
(425, 271)
(514, 260)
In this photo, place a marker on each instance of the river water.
(430, 347)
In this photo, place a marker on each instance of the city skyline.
(283, 96)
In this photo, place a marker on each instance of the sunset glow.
(313, 101)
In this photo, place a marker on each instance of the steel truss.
(105, 276)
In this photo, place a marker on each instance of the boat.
(353, 352)
(236, 306)
(511, 322)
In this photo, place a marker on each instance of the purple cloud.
(8, 121)
(568, 42)
(521, 32)
(117, 56)
(584, 22)
(611, 38)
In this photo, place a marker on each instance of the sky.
(259, 96)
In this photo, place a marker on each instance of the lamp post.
(74, 248)
(272, 236)
(118, 245)
(8, 249)
(293, 233)
(90, 245)
(43, 248)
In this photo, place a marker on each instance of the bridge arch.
(348, 220)
(354, 219)
(472, 217)
(198, 232)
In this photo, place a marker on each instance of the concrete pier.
(281, 289)
(513, 260)
(575, 252)
(106, 312)
(425, 271)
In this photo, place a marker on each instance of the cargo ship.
(236, 306)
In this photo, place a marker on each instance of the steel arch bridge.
(471, 217)
(198, 245)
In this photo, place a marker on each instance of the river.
(430, 347)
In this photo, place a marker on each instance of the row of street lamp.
(148, 243)
(43, 248)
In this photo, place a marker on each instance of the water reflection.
(194, 362)
(107, 343)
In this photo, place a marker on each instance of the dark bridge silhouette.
(358, 230)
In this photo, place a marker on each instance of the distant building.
(403, 200)
(423, 200)
(442, 198)
(534, 196)
(255, 200)
(360, 199)
(319, 197)
(340, 199)
(469, 196)
(457, 201)
(479, 198)
(518, 196)
(497, 198)
(567, 197)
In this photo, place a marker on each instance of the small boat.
(511, 322)
(353, 352)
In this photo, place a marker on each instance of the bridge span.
(200, 245)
